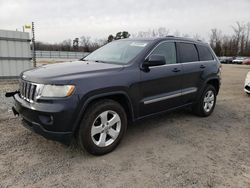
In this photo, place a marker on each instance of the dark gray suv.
(94, 98)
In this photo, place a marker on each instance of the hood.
(67, 71)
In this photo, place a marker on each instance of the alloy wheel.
(208, 102)
(106, 128)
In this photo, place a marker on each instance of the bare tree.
(85, 43)
(197, 37)
(215, 41)
(160, 32)
(239, 37)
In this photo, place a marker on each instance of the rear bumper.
(52, 121)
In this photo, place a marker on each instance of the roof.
(157, 39)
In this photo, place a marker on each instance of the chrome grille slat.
(21, 88)
(31, 91)
(28, 90)
(24, 91)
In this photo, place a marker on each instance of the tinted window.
(204, 53)
(166, 49)
(188, 52)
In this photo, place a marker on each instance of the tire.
(95, 130)
(202, 109)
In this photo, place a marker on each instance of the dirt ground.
(171, 150)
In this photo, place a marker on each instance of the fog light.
(46, 120)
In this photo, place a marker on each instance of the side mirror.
(154, 60)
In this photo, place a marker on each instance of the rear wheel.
(205, 106)
(102, 127)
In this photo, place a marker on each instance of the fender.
(85, 102)
(205, 83)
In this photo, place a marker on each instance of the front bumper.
(247, 86)
(51, 120)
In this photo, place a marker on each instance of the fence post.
(33, 45)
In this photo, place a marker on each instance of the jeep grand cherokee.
(94, 98)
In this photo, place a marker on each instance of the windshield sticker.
(138, 44)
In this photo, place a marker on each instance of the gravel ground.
(171, 150)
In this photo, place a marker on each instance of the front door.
(160, 87)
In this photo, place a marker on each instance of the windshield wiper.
(98, 61)
(82, 59)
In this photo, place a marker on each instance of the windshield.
(240, 58)
(120, 52)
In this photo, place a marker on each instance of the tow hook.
(11, 94)
(15, 112)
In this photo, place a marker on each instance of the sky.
(57, 20)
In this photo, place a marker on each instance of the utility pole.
(33, 45)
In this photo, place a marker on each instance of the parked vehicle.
(247, 84)
(92, 100)
(246, 61)
(226, 60)
(239, 60)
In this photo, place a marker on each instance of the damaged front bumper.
(48, 120)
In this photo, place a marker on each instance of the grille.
(28, 90)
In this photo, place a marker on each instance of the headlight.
(56, 91)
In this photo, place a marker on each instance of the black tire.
(198, 107)
(85, 139)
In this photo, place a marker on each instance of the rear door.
(191, 73)
(160, 87)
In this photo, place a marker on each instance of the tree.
(110, 38)
(119, 35)
(65, 45)
(76, 43)
(215, 41)
(125, 34)
(239, 37)
(85, 43)
(160, 32)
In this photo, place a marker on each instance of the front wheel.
(205, 106)
(102, 127)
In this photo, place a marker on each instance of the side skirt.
(162, 112)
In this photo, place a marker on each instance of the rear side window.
(166, 49)
(187, 52)
(204, 53)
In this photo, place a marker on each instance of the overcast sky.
(57, 20)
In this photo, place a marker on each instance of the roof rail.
(169, 35)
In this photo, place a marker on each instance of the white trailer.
(15, 53)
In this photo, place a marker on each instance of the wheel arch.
(119, 96)
(214, 82)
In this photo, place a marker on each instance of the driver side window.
(166, 49)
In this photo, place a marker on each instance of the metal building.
(15, 53)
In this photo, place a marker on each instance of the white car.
(239, 60)
(247, 84)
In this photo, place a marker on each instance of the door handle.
(176, 70)
(202, 66)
